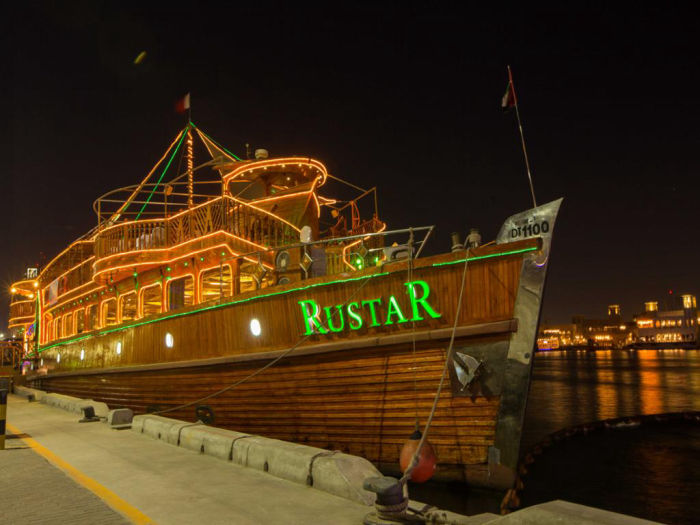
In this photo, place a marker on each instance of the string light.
(190, 168)
(172, 248)
(245, 168)
(52, 261)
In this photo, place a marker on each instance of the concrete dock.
(142, 479)
(57, 470)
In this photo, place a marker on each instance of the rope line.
(414, 460)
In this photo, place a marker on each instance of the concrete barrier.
(342, 474)
(159, 427)
(26, 392)
(74, 404)
(333, 472)
(212, 441)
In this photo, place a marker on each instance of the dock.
(57, 470)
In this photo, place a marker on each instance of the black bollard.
(3, 414)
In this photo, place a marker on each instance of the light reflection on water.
(570, 388)
(645, 472)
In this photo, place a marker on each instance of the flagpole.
(522, 136)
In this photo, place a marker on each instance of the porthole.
(255, 327)
(169, 340)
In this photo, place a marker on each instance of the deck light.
(255, 327)
(169, 340)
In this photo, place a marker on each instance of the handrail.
(220, 214)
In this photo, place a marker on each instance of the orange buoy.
(427, 460)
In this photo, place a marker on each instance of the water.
(571, 388)
(649, 472)
(652, 472)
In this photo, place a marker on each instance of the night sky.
(404, 96)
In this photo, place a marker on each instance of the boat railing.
(352, 253)
(11, 353)
(221, 214)
(24, 308)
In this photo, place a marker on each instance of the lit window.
(80, 320)
(151, 300)
(82, 354)
(109, 312)
(216, 283)
(181, 292)
(92, 317)
(58, 358)
(68, 324)
(119, 347)
(127, 305)
(169, 340)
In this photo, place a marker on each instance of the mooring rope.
(448, 355)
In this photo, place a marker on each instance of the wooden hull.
(362, 402)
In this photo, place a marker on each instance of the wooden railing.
(77, 277)
(22, 309)
(221, 214)
(11, 353)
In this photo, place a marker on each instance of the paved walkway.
(143, 479)
(34, 491)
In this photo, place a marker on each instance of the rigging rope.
(150, 196)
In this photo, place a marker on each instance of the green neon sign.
(376, 312)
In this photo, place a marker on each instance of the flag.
(508, 100)
(183, 104)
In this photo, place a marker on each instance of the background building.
(677, 326)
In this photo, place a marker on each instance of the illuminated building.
(609, 332)
(674, 326)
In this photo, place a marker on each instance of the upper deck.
(216, 229)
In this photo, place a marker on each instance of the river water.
(652, 472)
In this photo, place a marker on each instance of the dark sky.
(404, 96)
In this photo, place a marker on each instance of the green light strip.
(271, 294)
(150, 196)
(219, 145)
(490, 256)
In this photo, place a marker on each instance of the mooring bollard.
(3, 413)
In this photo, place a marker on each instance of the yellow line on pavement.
(106, 495)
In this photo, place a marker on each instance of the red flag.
(183, 104)
(508, 100)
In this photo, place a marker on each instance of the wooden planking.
(362, 403)
(490, 295)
